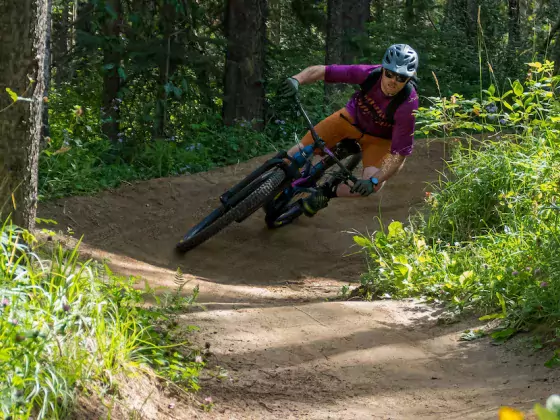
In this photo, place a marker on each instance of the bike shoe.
(315, 202)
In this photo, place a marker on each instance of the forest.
(96, 95)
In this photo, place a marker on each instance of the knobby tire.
(251, 203)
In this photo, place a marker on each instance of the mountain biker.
(385, 142)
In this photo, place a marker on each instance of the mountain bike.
(278, 186)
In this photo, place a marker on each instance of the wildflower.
(5, 302)
(198, 359)
(492, 108)
(544, 284)
(15, 322)
(553, 403)
(457, 244)
(514, 273)
(208, 400)
(507, 413)
(527, 268)
(65, 307)
(502, 121)
(428, 194)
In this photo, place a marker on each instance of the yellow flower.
(507, 413)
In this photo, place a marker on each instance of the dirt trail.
(288, 352)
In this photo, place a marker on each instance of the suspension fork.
(320, 143)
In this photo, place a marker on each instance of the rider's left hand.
(289, 87)
(364, 187)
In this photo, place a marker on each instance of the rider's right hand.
(289, 88)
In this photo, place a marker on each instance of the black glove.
(289, 88)
(364, 187)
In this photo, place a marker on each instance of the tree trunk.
(244, 88)
(462, 15)
(83, 18)
(346, 27)
(275, 31)
(47, 75)
(409, 12)
(60, 32)
(346, 22)
(23, 29)
(555, 54)
(111, 79)
(378, 6)
(514, 28)
(167, 13)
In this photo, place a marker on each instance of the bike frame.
(320, 144)
(230, 198)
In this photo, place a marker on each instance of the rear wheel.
(261, 191)
(286, 207)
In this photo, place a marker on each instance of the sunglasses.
(400, 78)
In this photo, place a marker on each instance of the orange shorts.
(335, 128)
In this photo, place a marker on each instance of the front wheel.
(222, 216)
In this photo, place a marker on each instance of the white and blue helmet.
(401, 59)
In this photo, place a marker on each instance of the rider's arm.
(336, 73)
(390, 165)
(402, 139)
(310, 75)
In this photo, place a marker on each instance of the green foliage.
(487, 236)
(522, 108)
(62, 328)
(12, 94)
(78, 159)
(169, 58)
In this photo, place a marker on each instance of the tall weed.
(66, 325)
(487, 237)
